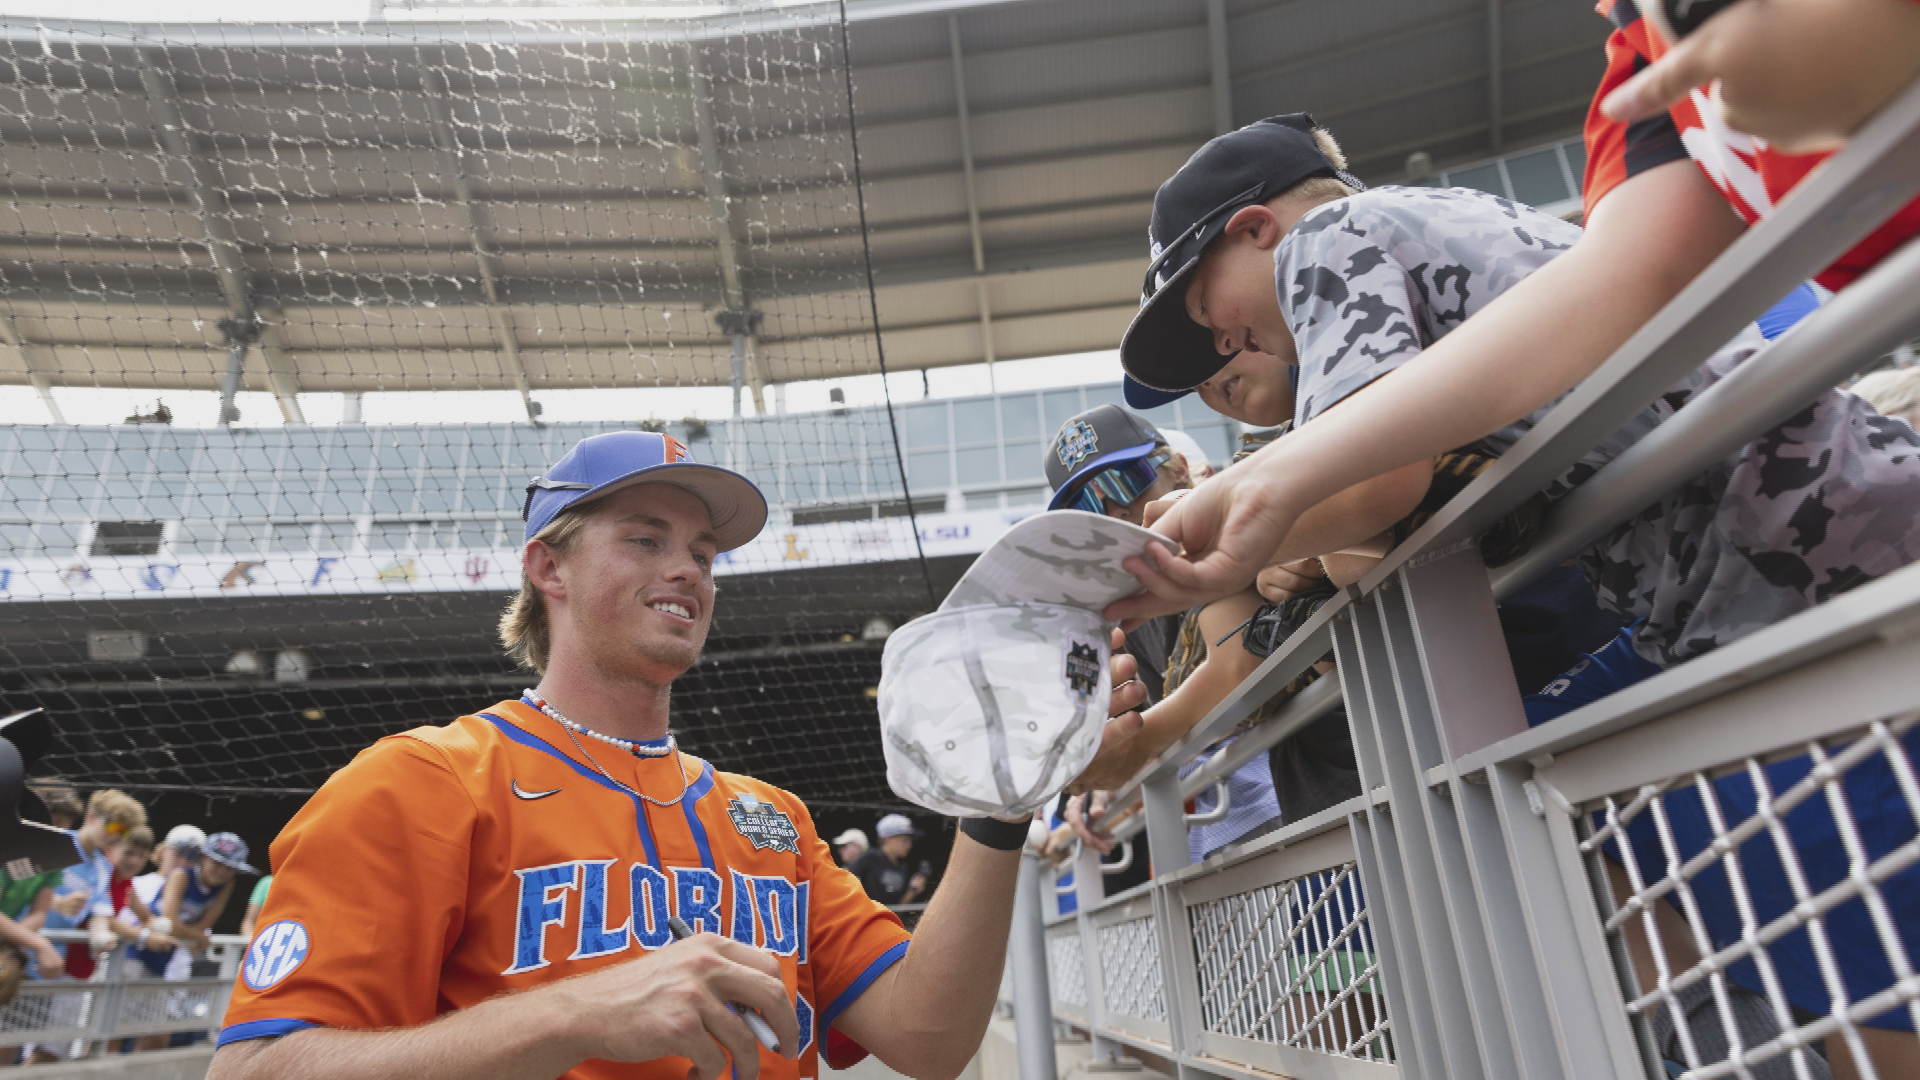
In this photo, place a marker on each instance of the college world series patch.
(1082, 667)
(1077, 442)
(764, 825)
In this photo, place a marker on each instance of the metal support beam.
(216, 221)
(973, 198)
(743, 327)
(1222, 66)
(1495, 58)
(10, 338)
(1032, 994)
(438, 94)
(721, 214)
(240, 334)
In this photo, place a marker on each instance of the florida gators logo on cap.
(1077, 442)
(674, 449)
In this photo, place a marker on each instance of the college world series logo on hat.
(1077, 440)
(990, 705)
(1103, 437)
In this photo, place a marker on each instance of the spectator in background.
(850, 845)
(1896, 393)
(1198, 467)
(180, 849)
(883, 870)
(128, 918)
(86, 889)
(26, 902)
(196, 894)
(133, 921)
(1111, 461)
(175, 854)
(255, 902)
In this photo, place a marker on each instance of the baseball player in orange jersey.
(493, 897)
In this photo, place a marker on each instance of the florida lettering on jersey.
(450, 864)
(766, 912)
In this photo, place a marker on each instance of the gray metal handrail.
(121, 1000)
(1221, 808)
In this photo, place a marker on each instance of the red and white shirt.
(1753, 176)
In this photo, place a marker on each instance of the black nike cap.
(1164, 349)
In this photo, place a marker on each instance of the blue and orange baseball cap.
(603, 464)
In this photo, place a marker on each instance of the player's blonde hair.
(525, 629)
(1315, 190)
(118, 808)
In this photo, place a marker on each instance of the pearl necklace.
(574, 731)
(636, 748)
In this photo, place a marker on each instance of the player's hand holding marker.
(680, 1002)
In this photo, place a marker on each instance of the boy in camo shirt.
(1263, 244)
(1349, 284)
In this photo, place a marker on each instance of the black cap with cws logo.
(1164, 349)
(1100, 438)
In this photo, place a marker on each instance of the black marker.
(755, 1022)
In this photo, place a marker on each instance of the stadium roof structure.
(476, 196)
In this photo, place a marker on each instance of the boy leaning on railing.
(1350, 287)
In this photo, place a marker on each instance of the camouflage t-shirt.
(1810, 509)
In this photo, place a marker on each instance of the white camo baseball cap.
(993, 703)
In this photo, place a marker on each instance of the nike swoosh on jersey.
(530, 796)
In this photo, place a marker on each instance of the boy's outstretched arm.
(1650, 237)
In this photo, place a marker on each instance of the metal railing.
(93, 1017)
(1480, 911)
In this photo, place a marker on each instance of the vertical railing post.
(1089, 890)
(1451, 659)
(105, 1003)
(1032, 995)
(1167, 838)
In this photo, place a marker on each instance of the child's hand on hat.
(1156, 509)
(1280, 582)
(1801, 74)
(1228, 528)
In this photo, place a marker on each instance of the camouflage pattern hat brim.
(993, 709)
(1067, 557)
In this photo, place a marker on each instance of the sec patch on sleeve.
(275, 953)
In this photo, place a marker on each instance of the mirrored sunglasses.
(1120, 484)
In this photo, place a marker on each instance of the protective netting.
(505, 205)
(1765, 909)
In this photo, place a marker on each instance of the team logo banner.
(764, 825)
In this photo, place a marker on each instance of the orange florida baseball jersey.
(449, 864)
